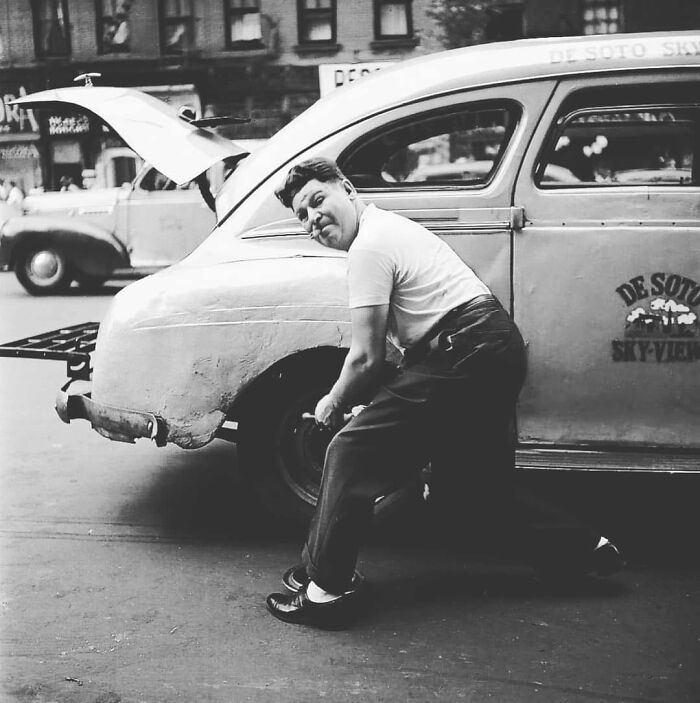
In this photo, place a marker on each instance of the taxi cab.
(564, 171)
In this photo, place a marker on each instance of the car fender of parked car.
(240, 338)
(47, 252)
(150, 223)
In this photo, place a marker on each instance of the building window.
(243, 26)
(113, 30)
(601, 17)
(316, 21)
(51, 27)
(392, 19)
(177, 26)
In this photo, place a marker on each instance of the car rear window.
(460, 147)
(623, 145)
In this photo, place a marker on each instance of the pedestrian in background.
(4, 189)
(15, 196)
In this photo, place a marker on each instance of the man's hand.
(327, 413)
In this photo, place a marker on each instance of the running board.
(571, 459)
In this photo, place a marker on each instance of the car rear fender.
(90, 249)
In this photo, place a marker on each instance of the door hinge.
(517, 217)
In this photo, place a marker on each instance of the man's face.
(327, 211)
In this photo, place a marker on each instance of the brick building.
(252, 58)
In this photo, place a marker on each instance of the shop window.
(392, 19)
(177, 26)
(601, 17)
(51, 28)
(317, 19)
(624, 146)
(458, 148)
(113, 26)
(243, 23)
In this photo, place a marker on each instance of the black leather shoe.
(296, 608)
(296, 578)
(606, 560)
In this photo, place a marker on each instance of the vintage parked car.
(602, 275)
(89, 236)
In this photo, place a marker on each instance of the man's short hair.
(318, 168)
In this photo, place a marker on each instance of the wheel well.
(27, 243)
(298, 366)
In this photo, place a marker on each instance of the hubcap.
(302, 445)
(45, 266)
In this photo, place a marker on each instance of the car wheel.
(282, 453)
(43, 270)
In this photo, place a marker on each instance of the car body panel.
(205, 333)
(161, 227)
(595, 377)
(148, 125)
(90, 249)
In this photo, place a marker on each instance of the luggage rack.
(70, 344)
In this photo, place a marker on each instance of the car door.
(607, 266)
(163, 222)
(450, 164)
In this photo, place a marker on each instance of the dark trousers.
(451, 405)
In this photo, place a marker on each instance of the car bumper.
(74, 402)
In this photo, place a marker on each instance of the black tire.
(43, 269)
(282, 454)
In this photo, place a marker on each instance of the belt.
(434, 339)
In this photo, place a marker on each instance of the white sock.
(317, 595)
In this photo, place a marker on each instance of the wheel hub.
(44, 265)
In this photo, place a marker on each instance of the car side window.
(623, 145)
(457, 147)
(155, 180)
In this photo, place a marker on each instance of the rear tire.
(283, 454)
(43, 270)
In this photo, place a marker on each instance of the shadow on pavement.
(201, 496)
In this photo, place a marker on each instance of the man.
(451, 403)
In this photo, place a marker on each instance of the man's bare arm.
(362, 365)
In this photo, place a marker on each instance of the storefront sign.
(13, 118)
(10, 152)
(332, 76)
(68, 124)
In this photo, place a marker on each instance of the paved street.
(137, 574)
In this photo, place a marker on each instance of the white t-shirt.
(396, 261)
